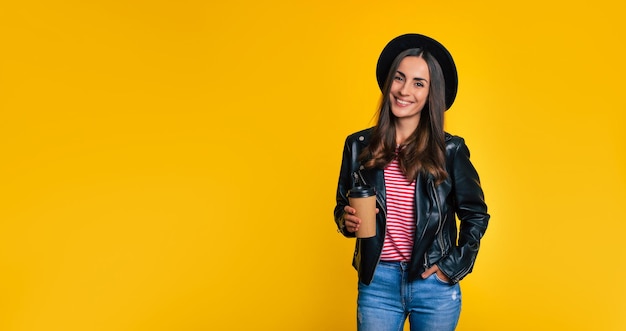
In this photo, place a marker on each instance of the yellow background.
(171, 165)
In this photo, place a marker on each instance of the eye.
(419, 84)
(398, 78)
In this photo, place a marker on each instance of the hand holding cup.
(360, 215)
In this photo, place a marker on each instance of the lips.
(402, 103)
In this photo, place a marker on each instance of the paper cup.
(363, 200)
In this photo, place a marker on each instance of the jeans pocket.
(440, 280)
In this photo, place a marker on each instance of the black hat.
(413, 40)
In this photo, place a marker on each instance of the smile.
(402, 102)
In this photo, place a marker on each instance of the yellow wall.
(171, 165)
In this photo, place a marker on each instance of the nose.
(404, 89)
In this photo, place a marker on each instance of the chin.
(403, 113)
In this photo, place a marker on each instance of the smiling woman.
(424, 180)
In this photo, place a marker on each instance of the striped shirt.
(400, 196)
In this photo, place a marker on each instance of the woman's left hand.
(435, 270)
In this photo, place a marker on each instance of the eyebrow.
(415, 78)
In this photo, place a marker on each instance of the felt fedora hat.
(437, 50)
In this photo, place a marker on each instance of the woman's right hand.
(351, 222)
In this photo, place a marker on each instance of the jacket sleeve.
(469, 206)
(343, 185)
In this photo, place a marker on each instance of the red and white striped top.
(400, 196)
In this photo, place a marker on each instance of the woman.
(423, 179)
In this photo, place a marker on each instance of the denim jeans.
(430, 304)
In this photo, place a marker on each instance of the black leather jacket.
(435, 239)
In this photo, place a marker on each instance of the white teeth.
(402, 102)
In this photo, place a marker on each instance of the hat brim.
(436, 49)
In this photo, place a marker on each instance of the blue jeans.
(430, 304)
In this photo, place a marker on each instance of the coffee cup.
(363, 200)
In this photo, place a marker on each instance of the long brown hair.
(424, 149)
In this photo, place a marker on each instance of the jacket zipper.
(439, 226)
(440, 237)
(441, 220)
(462, 272)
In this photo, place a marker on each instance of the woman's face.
(409, 89)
